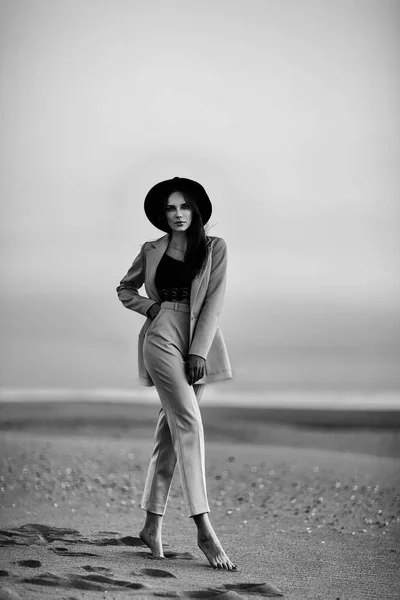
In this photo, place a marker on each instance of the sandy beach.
(308, 507)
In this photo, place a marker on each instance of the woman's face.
(178, 212)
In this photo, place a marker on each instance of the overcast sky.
(286, 111)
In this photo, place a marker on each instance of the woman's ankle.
(203, 524)
(153, 521)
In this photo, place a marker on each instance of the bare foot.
(211, 546)
(152, 539)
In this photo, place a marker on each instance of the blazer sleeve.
(130, 284)
(207, 321)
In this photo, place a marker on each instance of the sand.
(301, 522)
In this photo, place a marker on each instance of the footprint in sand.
(230, 596)
(234, 591)
(51, 534)
(14, 538)
(180, 555)
(260, 589)
(33, 564)
(34, 533)
(51, 580)
(39, 534)
(91, 569)
(67, 552)
(157, 573)
(95, 583)
(102, 541)
(170, 555)
(109, 581)
(212, 593)
(128, 540)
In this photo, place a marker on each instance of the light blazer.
(206, 298)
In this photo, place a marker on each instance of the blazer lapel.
(197, 281)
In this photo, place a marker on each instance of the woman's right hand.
(153, 311)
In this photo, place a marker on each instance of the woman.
(181, 348)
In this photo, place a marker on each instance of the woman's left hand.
(195, 368)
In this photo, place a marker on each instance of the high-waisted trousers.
(179, 436)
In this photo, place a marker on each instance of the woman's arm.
(130, 284)
(207, 321)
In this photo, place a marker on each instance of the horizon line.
(315, 399)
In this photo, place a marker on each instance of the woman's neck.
(178, 240)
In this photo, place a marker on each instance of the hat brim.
(154, 199)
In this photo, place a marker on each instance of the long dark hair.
(196, 250)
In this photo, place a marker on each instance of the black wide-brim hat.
(154, 201)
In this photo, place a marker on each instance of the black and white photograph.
(200, 299)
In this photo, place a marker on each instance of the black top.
(173, 279)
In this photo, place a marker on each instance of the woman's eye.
(170, 207)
